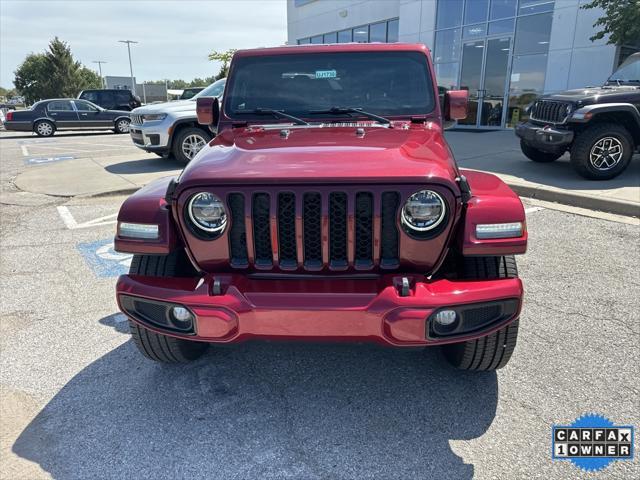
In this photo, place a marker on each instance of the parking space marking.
(57, 147)
(533, 209)
(40, 160)
(25, 152)
(72, 224)
(103, 259)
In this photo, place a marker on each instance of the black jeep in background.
(599, 126)
(112, 99)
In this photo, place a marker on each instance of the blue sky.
(175, 36)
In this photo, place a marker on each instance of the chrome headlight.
(151, 117)
(207, 212)
(423, 211)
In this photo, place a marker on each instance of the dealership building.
(505, 52)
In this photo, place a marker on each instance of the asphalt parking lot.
(78, 401)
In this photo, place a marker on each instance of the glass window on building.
(502, 9)
(501, 26)
(330, 37)
(533, 33)
(527, 83)
(304, 41)
(535, 6)
(392, 31)
(475, 11)
(447, 45)
(361, 34)
(471, 31)
(447, 76)
(378, 32)
(316, 39)
(344, 36)
(449, 13)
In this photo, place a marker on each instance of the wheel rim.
(44, 128)
(192, 145)
(606, 153)
(123, 126)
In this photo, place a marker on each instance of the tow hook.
(403, 286)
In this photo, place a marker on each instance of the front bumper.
(544, 137)
(231, 308)
(152, 136)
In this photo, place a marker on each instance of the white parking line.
(67, 149)
(71, 223)
(25, 152)
(533, 209)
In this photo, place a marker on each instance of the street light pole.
(133, 83)
(100, 62)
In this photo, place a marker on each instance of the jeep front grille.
(550, 111)
(313, 231)
(136, 119)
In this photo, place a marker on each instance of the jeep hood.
(317, 155)
(167, 107)
(592, 93)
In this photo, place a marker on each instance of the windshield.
(629, 71)
(213, 90)
(382, 83)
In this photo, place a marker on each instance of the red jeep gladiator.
(328, 207)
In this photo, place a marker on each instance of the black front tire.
(538, 155)
(584, 144)
(155, 346)
(185, 136)
(493, 351)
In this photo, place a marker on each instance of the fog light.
(181, 314)
(445, 317)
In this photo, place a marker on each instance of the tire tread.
(492, 351)
(155, 346)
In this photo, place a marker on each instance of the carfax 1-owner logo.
(592, 442)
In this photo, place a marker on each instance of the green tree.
(54, 73)
(89, 78)
(32, 78)
(621, 21)
(224, 57)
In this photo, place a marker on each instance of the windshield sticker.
(326, 74)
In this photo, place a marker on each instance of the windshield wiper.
(620, 81)
(348, 110)
(275, 113)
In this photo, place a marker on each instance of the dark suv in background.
(112, 99)
(599, 126)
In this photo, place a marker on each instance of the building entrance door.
(485, 66)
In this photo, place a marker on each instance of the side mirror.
(456, 105)
(208, 111)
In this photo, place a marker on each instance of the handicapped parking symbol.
(103, 259)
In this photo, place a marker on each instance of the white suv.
(172, 127)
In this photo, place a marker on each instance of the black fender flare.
(586, 113)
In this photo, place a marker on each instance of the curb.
(110, 193)
(603, 204)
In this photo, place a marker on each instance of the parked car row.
(167, 128)
(48, 116)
